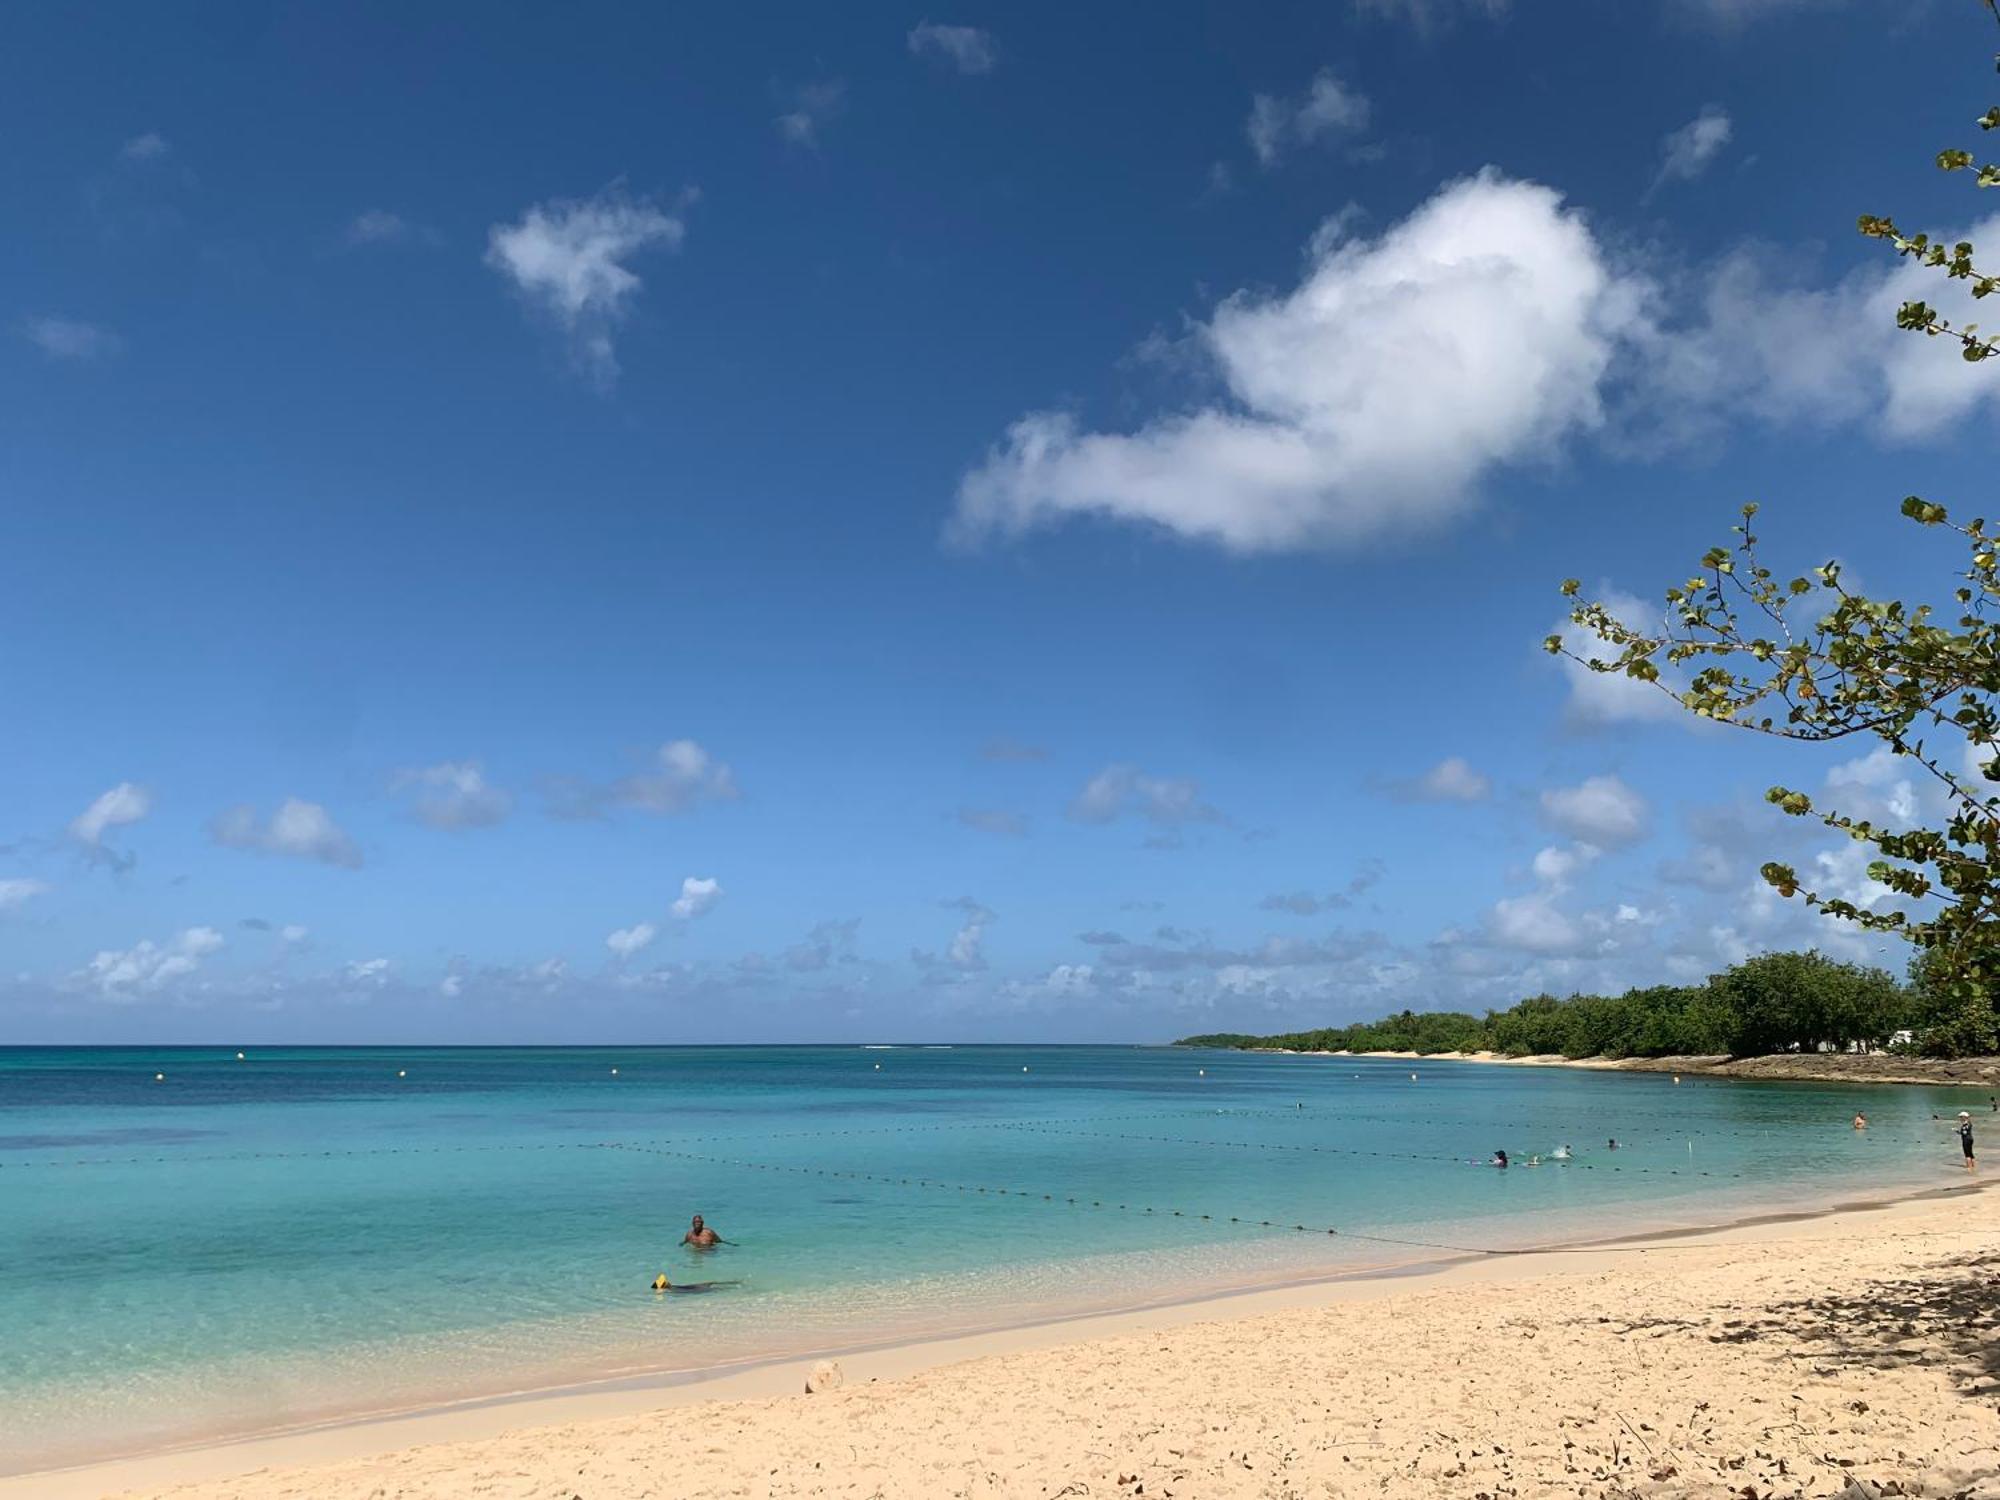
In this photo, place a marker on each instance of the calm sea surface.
(312, 1232)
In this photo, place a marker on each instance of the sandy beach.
(1856, 1353)
(1795, 1067)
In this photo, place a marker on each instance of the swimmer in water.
(1860, 1121)
(1612, 1144)
(1561, 1153)
(1499, 1159)
(661, 1284)
(701, 1237)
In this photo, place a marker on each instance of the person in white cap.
(1965, 1140)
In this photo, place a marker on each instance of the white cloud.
(1821, 358)
(567, 259)
(827, 944)
(1427, 14)
(994, 820)
(627, 941)
(377, 226)
(967, 950)
(1555, 865)
(148, 967)
(70, 339)
(367, 973)
(1611, 697)
(812, 106)
(697, 896)
(454, 794)
(1373, 399)
(1327, 109)
(1686, 153)
(1452, 779)
(1168, 801)
(1877, 786)
(452, 986)
(148, 147)
(1601, 810)
(966, 48)
(1534, 923)
(684, 775)
(14, 894)
(294, 933)
(302, 830)
(123, 805)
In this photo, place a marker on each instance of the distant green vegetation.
(1777, 1002)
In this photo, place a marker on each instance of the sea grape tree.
(1811, 658)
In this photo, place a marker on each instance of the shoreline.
(494, 1418)
(1791, 1067)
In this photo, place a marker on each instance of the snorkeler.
(661, 1284)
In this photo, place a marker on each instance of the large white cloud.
(567, 258)
(1372, 399)
(299, 829)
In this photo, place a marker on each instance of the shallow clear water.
(305, 1233)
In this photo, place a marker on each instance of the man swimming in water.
(701, 1236)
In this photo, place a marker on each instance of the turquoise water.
(309, 1233)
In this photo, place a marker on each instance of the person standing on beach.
(1965, 1140)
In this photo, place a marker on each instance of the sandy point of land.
(1851, 1355)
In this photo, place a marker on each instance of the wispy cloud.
(70, 339)
(378, 226)
(1328, 110)
(151, 146)
(454, 794)
(17, 893)
(1168, 801)
(966, 48)
(994, 820)
(1686, 153)
(567, 260)
(812, 107)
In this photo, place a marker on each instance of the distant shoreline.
(1800, 1067)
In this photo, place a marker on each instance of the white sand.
(1777, 1360)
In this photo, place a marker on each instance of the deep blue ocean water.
(311, 1232)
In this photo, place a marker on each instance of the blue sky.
(845, 523)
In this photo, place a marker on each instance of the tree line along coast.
(1773, 1004)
